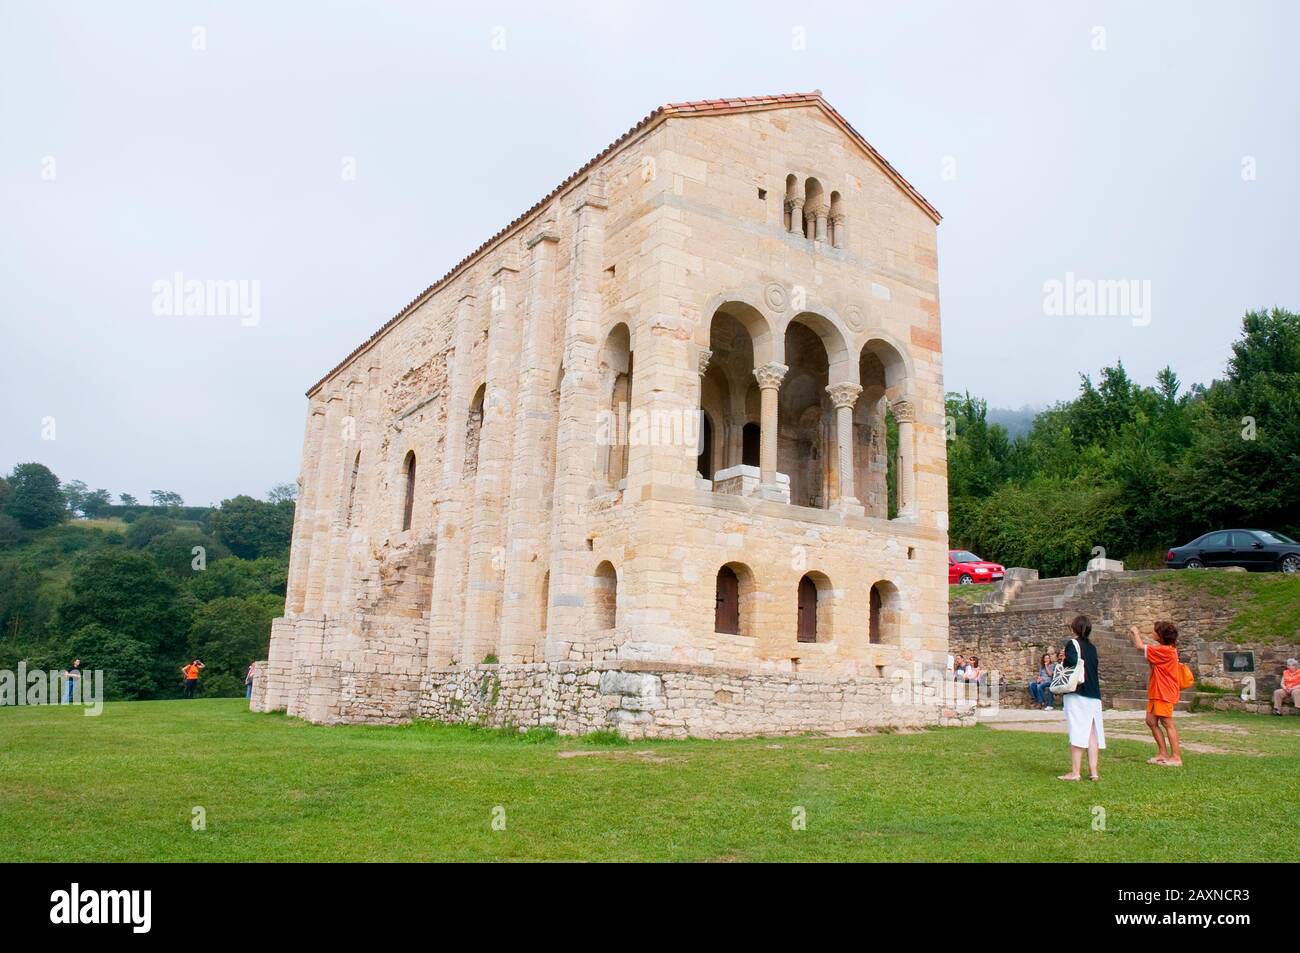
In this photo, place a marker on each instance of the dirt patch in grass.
(645, 754)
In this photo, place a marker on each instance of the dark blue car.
(1259, 550)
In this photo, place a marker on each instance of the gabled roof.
(703, 107)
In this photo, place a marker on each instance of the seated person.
(1290, 686)
(973, 671)
(1040, 688)
(959, 669)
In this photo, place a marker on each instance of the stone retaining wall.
(1011, 642)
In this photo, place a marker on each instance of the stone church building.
(625, 466)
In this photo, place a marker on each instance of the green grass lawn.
(1267, 603)
(122, 787)
(972, 593)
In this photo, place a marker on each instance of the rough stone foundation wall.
(643, 700)
(639, 700)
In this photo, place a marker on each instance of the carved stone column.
(769, 378)
(837, 231)
(905, 416)
(844, 395)
(819, 222)
(796, 214)
(703, 358)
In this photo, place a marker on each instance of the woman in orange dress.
(1162, 691)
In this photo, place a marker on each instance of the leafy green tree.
(252, 528)
(145, 529)
(240, 578)
(11, 532)
(126, 499)
(978, 452)
(129, 671)
(228, 633)
(166, 498)
(174, 550)
(34, 499)
(74, 494)
(124, 591)
(94, 503)
(21, 611)
(283, 492)
(1243, 465)
(1137, 469)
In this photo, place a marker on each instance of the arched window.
(886, 614)
(604, 592)
(806, 417)
(473, 431)
(836, 227)
(791, 208)
(814, 210)
(874, 625)
(352, 486)
(884, 449)
(408, 506)
(616, 370)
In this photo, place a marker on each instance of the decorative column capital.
(770, 375)
(903, 410)
(794, 202)
(837, 219)
(844, 394)
(704, 356)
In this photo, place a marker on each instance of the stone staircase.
(1124, 672)
(1040, 594)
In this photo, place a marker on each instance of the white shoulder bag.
(1067, 680)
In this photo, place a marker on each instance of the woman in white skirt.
(1083, 706)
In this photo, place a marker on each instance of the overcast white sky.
(225, 163)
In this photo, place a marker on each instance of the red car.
(964, 568)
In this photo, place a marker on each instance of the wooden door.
(807, 610)
(726, 616)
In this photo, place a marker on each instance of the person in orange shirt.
(1162, 691)
(1290, 686)
(191, 673)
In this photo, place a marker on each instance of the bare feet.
(1158, 759)
(1171, 763)
(1094, 777)
(1067, 777)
